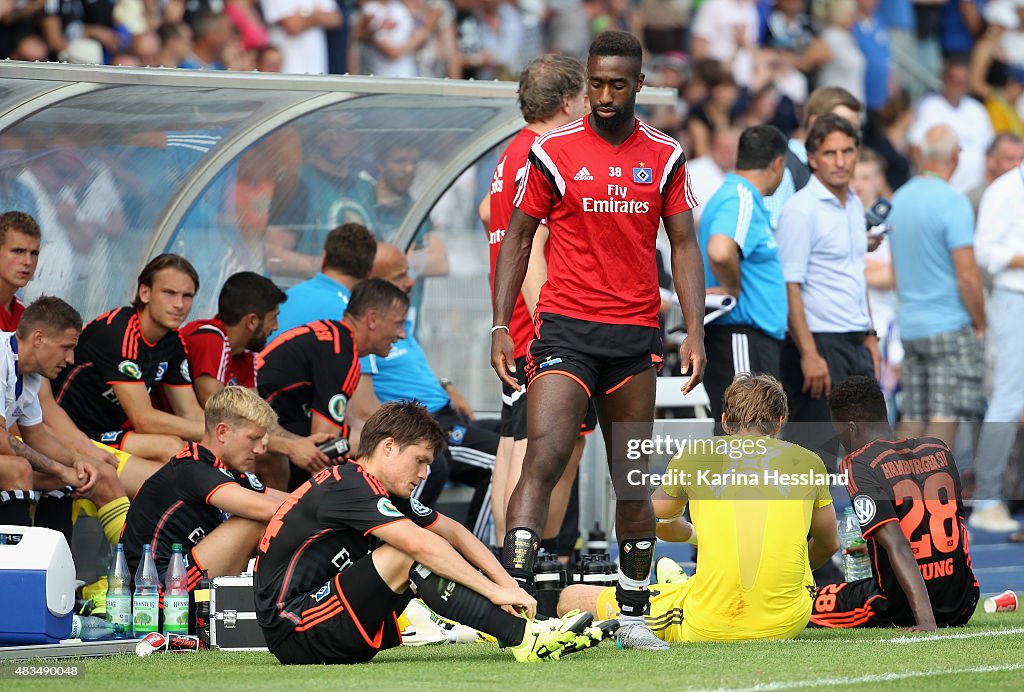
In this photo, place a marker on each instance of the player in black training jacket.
(130, 354)
(907, 497)
(335, 566)
(309, 373)
(207, 497)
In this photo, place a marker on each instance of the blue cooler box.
(37, 583)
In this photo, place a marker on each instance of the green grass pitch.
(987, 654)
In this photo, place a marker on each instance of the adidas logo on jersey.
(583, 174)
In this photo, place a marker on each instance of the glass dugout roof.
(249, 171)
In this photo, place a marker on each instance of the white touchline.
(881, 677)
(910, 639)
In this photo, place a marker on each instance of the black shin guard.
(16, 507)
(463, 605)
(632, 594)
(519, 554)
(54, 512)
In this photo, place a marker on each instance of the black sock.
(465, 606)
(632, 594)
(54, 512)
(16, 507)
(519, 555)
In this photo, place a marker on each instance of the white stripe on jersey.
(743, 219)
(677, 151)
(658, 135)
(575, 126)
(691, 198)
(538, 151)
(520, 187)
(225, 353)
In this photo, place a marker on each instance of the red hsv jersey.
(604, 205)
(508, 174)
(209, 353)
(915, 482)
(9, 320)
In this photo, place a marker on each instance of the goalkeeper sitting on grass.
(753, 578)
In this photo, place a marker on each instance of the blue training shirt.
(319, 298)
(737, 210)
(406, 374)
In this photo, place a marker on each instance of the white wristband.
(692, 540)
(499, 326)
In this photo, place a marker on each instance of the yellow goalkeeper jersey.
(751, 500)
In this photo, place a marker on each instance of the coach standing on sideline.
(741, 259)
(604, 183)
(822, 246)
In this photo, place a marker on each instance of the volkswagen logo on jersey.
(254, 482)
(130, 369)
(336, 407)
(642, 175)
(864, 506)
(456, 435)
(418, 507)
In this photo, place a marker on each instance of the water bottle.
(146, 603)
(550, 576)
(176, 594)
(90, 629)
(201, 610)
(597, 541)
(857, 565)
(119, 591)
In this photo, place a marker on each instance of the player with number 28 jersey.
(914, 482)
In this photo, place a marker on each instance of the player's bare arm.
(79, 475)
(824, 540)
(470, 547)
(206, 386)
(59, 424)
(302, 451)
(248, 504)
(135, 401)
(669, 510)
(688, 275)
(890, 538)
(183, 402)
(437, 555)
(537, 271)
(513, 261)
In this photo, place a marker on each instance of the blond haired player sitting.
(753, 578)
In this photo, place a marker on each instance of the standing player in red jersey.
(907, 497)
(604, 183)
(552, 93)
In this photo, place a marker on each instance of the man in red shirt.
(222, 351)
(552, 93)
(19, 254)
(604, 183)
